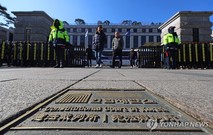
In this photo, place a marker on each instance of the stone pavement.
(189, 90)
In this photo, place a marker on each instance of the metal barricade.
(150, 56)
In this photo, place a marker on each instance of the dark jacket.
(99, 40)
(89, 53)
(133, 54)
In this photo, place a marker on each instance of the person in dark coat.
(99, 40)
(133, 56)
(89, 55)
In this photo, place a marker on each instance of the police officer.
(59, 39)
(171, 42)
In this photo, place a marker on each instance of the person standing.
(89, 55)
(59, 39)
(99, 40)
(133, 56)
(171, 42)
(117, 47)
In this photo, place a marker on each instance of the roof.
(34, 13)
(180, 13)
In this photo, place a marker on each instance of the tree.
(65, 23)
(79, 21)
(99, 22)
(126, 22)
(135, 23)
(6, 16)
(106, 22)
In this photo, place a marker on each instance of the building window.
(75, 39)
(135, 30)
(151, 38)
(105, 30)
(120, 30)
(90, 37)
(150, 30)
(83, 30)
(27, 34)
(159, 31)
(94, 30)
(144, 30)
(143, 40)
(82, 40)
(113, 30)
(68, 30)
(195, 34)
(127, 42)
(135, 42)
(158, 39)
(89, 30)
(74, 30)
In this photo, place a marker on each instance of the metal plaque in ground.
(108, 110)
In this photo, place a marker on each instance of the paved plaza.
(189, 90)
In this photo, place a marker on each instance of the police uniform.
(59, 38)
(171, 42)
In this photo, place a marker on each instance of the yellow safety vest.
(60, 33)
(170, 38)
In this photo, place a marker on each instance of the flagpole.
(86, 37)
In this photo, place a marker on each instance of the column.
(78, 40)
(86, 42)
(131, 41)
(139, 41)
(147, 39)
(155, 38)
(108, 41)
(71, 39)
(124, 39)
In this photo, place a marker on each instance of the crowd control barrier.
(39, 54)
(190, 55)
(149, 57)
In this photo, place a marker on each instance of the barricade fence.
(39, 54)
(149, 57)
(190, 55)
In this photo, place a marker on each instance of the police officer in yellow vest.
(171, 43)
(59, 39)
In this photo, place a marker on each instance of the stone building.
(32, 26)
(191, 26)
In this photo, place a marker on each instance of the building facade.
(138, 35)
